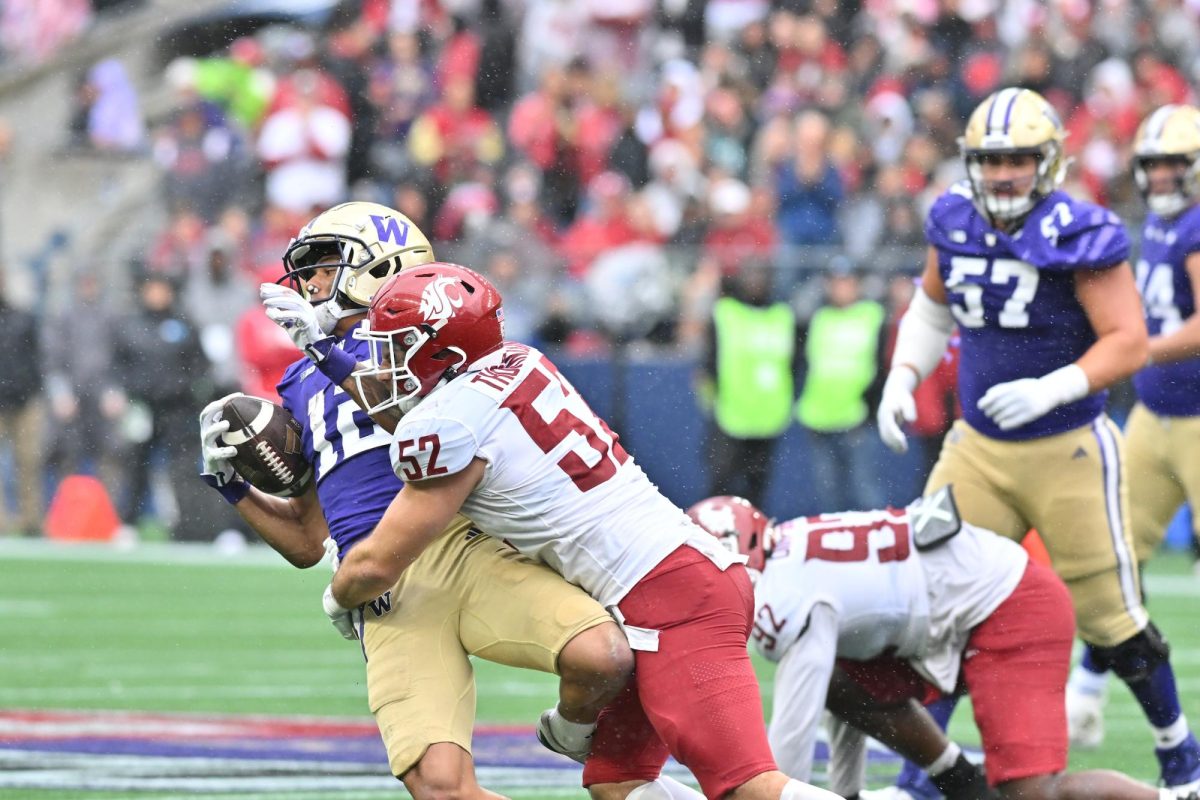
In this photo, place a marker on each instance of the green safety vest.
(755, 386)
(841, 351)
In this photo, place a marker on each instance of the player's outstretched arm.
(801, 682)
(1110, 299)
(1184, 341)
(920, 343)
(418, 514)
(294, 526)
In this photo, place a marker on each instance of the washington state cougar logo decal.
(436, 304)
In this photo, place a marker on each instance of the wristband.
(333, 362)
(233, 492)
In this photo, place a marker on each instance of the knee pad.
(1135, 658)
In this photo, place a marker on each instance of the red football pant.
(697, 697)
(1015, 668)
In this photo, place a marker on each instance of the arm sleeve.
(801, 683)
(924, 333)
(847, 758)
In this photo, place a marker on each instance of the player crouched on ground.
(905, 598)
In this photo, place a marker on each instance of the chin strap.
(330, 312)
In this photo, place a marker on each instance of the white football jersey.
(888, 597)
(558, 485)
(863, 565)
(966, 579)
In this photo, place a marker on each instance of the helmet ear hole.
(385, 268)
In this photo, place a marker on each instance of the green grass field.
(168, 629)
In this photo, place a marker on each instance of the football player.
(1163, 432)
(880, 591)
(492, 428)
(1040, 288)
(467, 594)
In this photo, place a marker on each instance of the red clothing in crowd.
(328, 93)
(459, 139)
(460, 58)
(266, 352)
(533, 129)
(935, 412)
(590, 236)
(731, 247)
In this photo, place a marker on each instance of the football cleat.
(1180, 765)
(545, 735)
(1085, 719)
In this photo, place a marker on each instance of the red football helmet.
(739, 525)
(427, 321)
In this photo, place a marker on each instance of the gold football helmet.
(371, 243)
(1009, 122)
(1172, 133)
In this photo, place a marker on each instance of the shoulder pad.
(1187, 231)
(424, 447)
(291, 378)
(934, 519)
(1066, 234)
(950, 219)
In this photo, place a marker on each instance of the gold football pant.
(465, 595)
(1071, 487)
(1164, 472)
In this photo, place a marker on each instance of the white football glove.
(331, 550)
(217, 472)
(896, 407)
(304, 322)
(1016, 403)
(347, 621)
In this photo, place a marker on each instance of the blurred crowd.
(610, 165)
(33, 31)
(577, 149)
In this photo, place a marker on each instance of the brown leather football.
(268, 440)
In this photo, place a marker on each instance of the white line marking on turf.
(27, 608)
(10, 696)
(156, 553)
(31, 769)
(1172, 586)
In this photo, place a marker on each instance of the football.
(267, 438)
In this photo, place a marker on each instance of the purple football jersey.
(1014, 297)
(348, 451)
(1169, 389)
